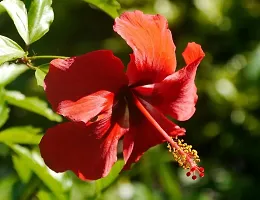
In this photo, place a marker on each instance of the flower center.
(182, 152)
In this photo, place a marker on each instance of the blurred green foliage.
(225, 128)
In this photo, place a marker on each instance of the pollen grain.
(186, 157)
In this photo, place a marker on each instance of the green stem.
(31, 188)
(31, 66)
(45, 57)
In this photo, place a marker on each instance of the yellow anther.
(184, 154)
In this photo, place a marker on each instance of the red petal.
(151, 41)
(89, 151)
(192, 52)
(168, 126)
(81, 87)
(142, 135)
(87, 107)
(176, 94)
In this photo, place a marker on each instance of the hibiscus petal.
(143, 135)
(192, 52)
(81, 87)
(151, 40)
(168, 126)
(89, 151)
(87, 107)
(176, 94)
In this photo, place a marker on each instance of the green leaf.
(103, 183)
(36, 164)
(4, 110)
(32, 27)
(9, 50)
(4, 114)
(21, 168)
(111, 7)
(45, 195)
(17, 11)
(6, 187)
(40, 17)
(32, 104)
(9, 72)
(169, 182)
(2, 9)
(21, 135)
(92, 190)
(40, 73)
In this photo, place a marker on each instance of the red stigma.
(195, 170)
(201, 169)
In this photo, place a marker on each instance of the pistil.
(182, 153)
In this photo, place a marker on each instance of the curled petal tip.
(192, 52)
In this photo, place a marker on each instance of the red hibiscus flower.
(105, 104)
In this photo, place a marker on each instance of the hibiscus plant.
(104, 103)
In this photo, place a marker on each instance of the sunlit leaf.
(4, 114)
(40, 73)
(9, 72)
(4, 110)
(2, 9)
(105, 182)
(111, 7)
(17, 11)
(6, 187)
(22, 135)
(40, 17)
(9, 50)
(32, 104)
(35, 163)
(21, 168)
(45, 195)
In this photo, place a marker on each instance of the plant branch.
(45, 57)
